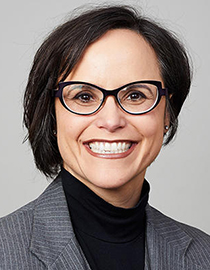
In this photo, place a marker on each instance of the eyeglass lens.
(86, 99)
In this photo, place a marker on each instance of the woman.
(104, 93)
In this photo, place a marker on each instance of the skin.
(119, 57)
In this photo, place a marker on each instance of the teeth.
(114, 147)
(109, 148)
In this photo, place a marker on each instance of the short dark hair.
(63, 48)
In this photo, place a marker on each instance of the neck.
(125, 196)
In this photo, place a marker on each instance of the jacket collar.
(166, 242)
(53, 237)
(52, 232)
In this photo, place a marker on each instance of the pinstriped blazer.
(40, 236)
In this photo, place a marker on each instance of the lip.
(111, 155)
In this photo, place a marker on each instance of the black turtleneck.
(110, 237)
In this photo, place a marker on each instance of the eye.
(84, 97)
(138, 94)
(135, 95)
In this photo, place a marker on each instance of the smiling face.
(111, 149)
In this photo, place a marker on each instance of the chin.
(105, 181)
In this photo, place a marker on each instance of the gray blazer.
(40, 236)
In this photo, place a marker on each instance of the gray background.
(180, 181)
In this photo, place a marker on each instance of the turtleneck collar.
(95, 217)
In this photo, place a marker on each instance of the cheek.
(155, 130)
(66, 134)
(151, 129)
(70, 127)
(152, 125)
(67, 123)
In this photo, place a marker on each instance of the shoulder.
(20, 220)
(195, 242)
(199, 248)
(17, 229)
(15, 232)
(156, 216)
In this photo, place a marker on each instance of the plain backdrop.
(180, 177)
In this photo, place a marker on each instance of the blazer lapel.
(53, 240)
(166, 242)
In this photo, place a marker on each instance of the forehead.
(119, 54)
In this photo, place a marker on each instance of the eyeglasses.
(134, 98)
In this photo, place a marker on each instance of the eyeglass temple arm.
(163, 92)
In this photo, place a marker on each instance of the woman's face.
(117, 58)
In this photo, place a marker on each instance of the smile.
(109, 148)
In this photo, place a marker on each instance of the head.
(61, 57)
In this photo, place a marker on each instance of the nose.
(110, 117)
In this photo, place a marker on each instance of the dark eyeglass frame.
(59, 93)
